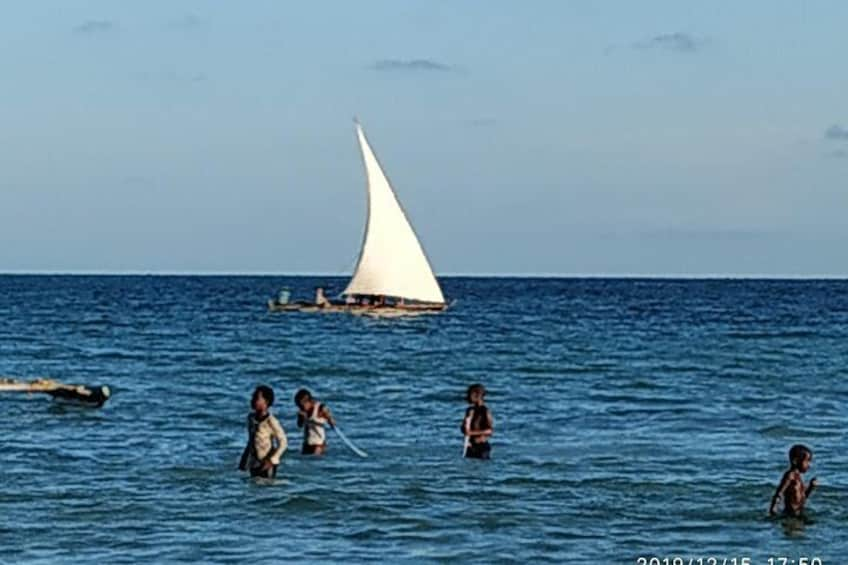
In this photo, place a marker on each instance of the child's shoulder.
(273, 421)
(791, 475)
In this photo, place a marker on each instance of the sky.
(547, 137)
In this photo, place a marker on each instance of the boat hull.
(360, 310)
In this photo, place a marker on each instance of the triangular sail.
(392, 261)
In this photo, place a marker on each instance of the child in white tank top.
(312, 416)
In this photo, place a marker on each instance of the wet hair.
(798, 451)
(301, 395)
(266, 392)
(476, 387)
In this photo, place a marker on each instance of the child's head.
(263, 398)
(800, 457)
(303, 399)
(475, 393)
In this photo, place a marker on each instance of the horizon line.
(541, 275)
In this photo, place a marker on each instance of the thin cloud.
(836, 133)
(174, 77)
(481, 122)
(188, 22)
(678, 42)
(137, 180)
(838, 154)
(410, 65)
(726, 234)
(92, 27)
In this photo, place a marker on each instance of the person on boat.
(791, 488)
(478, 425)
(266, 439)
(312, 416)
(283, 296)
(320, 299)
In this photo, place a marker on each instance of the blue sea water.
(633, 418)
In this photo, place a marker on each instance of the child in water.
(312, 416)
(477, 426)
(266, 439)
(791, 487)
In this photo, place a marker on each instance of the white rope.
(349, 443)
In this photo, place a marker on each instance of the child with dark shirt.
(477, 426)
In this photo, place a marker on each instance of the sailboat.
(393, 276)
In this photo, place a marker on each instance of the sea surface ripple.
(633, 418)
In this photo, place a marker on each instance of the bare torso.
(794, 495)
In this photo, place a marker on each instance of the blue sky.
(568, 137)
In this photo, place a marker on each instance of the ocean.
(633, 418)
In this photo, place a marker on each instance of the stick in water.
(466, 441)
(349, 443)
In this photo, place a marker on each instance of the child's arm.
(273, 457)
(814, 483)
(325, 413)
(243, 461)
(778, 494)
(466, 426)
(244, 454)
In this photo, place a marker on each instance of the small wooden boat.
(388, 311)
(393, 276)
(94, 396)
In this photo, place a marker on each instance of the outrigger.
(393, 276)
(94, 396)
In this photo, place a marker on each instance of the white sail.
(392, 261)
